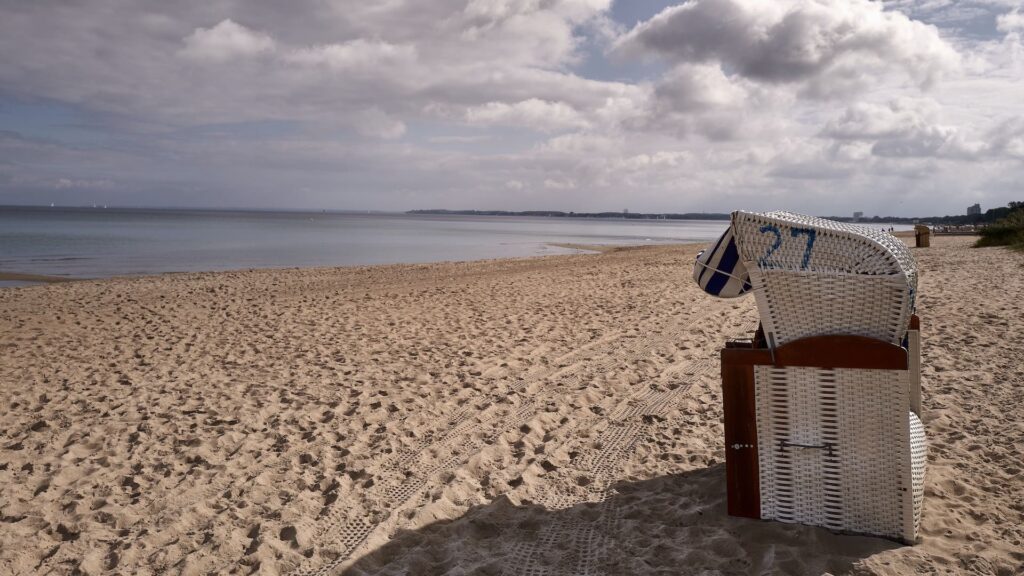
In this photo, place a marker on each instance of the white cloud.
(534, 114)
(358, 53)
(582, 144)
(910, 128)
(559, 183)
(1011, 22)
(225, 41)
(863, 121)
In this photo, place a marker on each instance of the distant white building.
(974, 210)
(857, 216)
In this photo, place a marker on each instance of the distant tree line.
(989, 217)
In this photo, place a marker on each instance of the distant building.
(974, 210)
(857, 216)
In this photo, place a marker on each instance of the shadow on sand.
(669, 525)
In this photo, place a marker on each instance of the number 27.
(794, 232)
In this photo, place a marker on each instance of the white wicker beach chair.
(835, 392)
(814, 276)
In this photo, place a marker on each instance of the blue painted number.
(811, 235)
(771, 249)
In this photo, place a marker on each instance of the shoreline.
(579, 250)
(36, 278)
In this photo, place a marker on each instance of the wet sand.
(19, 277)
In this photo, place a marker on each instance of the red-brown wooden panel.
(743, 484)
(825, 352)
(842, 352)
(751, 356)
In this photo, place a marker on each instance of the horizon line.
(423, 211)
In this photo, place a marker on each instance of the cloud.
(376, 123)
(523, 104)
(931, 142)
(1011, 22)
(700, 101)
(903, 128)
(358, 53)
(492, 12)
(868, 121)
(910, 128)
(458, 139)
(534, 114)
(1007, 137)
(833, 46)
(559, 183)
(190, 64)
(225, 41)
(961, 15)
(696, 87)
(79, 184)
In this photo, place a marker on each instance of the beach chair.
(822, 404)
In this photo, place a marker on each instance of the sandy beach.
(555, 415)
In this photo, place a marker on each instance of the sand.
(556, 415)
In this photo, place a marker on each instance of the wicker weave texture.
(836, 246)
(918, 459)
(796, 304)
(839, 449)
(813, 276)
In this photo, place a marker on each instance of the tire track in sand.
(579, 547)
(343, 527)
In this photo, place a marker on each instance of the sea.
(103, 242)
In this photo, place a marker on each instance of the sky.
(902, 107)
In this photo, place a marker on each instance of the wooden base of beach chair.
(824, 431)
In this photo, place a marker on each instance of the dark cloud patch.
(789, 41)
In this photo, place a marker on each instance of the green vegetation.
(1008, 231)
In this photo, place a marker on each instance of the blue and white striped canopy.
(719, 271)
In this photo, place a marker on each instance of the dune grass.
(1006, 232)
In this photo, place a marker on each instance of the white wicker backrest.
(813, 276)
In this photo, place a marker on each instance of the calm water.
(90, 243)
